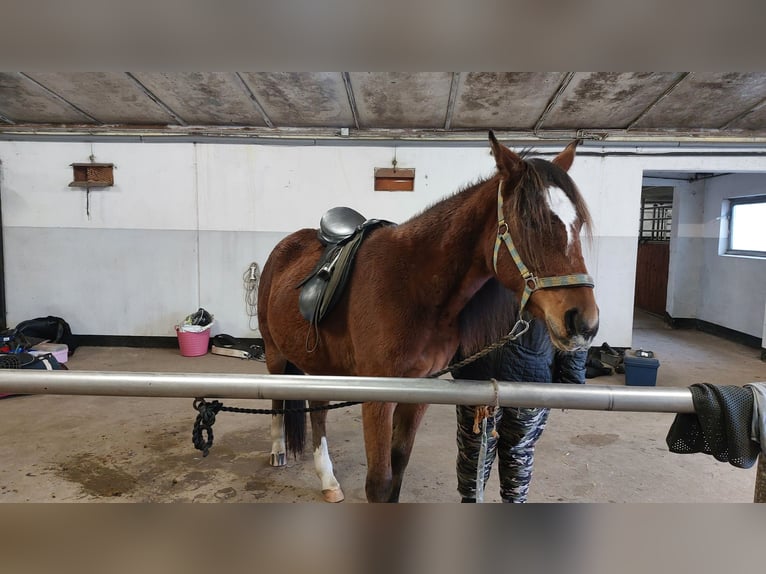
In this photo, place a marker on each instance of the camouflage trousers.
(518, 430)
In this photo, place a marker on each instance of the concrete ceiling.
(612, 106)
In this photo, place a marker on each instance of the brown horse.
(401, 314)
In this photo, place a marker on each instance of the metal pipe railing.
(404, 390)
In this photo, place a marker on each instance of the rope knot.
(483, 412)
(204, 424)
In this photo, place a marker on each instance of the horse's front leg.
(331, 490)
(377, 421)
(406, 421)
(278, 455)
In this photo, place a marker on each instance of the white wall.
(733, 288)
(686, 250)
(184, 221)
(703, 282)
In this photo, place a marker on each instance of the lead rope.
(484, 413)
(518, 330)
(481, 463)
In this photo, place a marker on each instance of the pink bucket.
(193, 344)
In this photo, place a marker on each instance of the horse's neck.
(452, 245)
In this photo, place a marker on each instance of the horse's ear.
(565, 159)
(508, 163)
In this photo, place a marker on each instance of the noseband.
(531, 282)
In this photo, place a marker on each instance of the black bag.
(27, 361)
(50, 328)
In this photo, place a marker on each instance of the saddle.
(341, 231)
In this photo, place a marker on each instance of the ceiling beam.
(452, 99)
(179, 120)
(331, 136)
(680, 78)
(351, 98)
(748, 111)
(255, 101)
(562, 86)
(59, 98)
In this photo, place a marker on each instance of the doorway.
(651, 289)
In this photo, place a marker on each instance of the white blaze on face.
(564, 209)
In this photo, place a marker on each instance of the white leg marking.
(323, 466)
(331, 490)
(278, 456)
(563, 208)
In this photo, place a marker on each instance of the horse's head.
(538, 252)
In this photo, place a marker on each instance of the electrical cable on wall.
(250, 281)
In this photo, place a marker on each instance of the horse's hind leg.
(278, 455)
(331, 490)
(276, 364)
(406, 421)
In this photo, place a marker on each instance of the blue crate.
(641, 371)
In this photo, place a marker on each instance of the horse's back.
(346, 328)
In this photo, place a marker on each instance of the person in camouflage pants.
(530, 358)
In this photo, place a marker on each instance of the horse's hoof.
(278, 459)
(333, 495)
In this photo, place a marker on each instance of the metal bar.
(433, 391)
(405, 390)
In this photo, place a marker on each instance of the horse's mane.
(445, 207)
(528, 204)
(493, 310)
(529, 208)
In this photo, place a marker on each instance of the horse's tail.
(295, 419)
(295, 427)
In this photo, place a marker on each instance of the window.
(656, 216)
(747, 234)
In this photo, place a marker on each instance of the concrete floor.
(107, 449)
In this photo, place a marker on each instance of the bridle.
(531, 282)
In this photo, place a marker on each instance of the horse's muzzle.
(576, 333)
(578, 325)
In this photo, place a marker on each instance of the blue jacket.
(530, 358)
